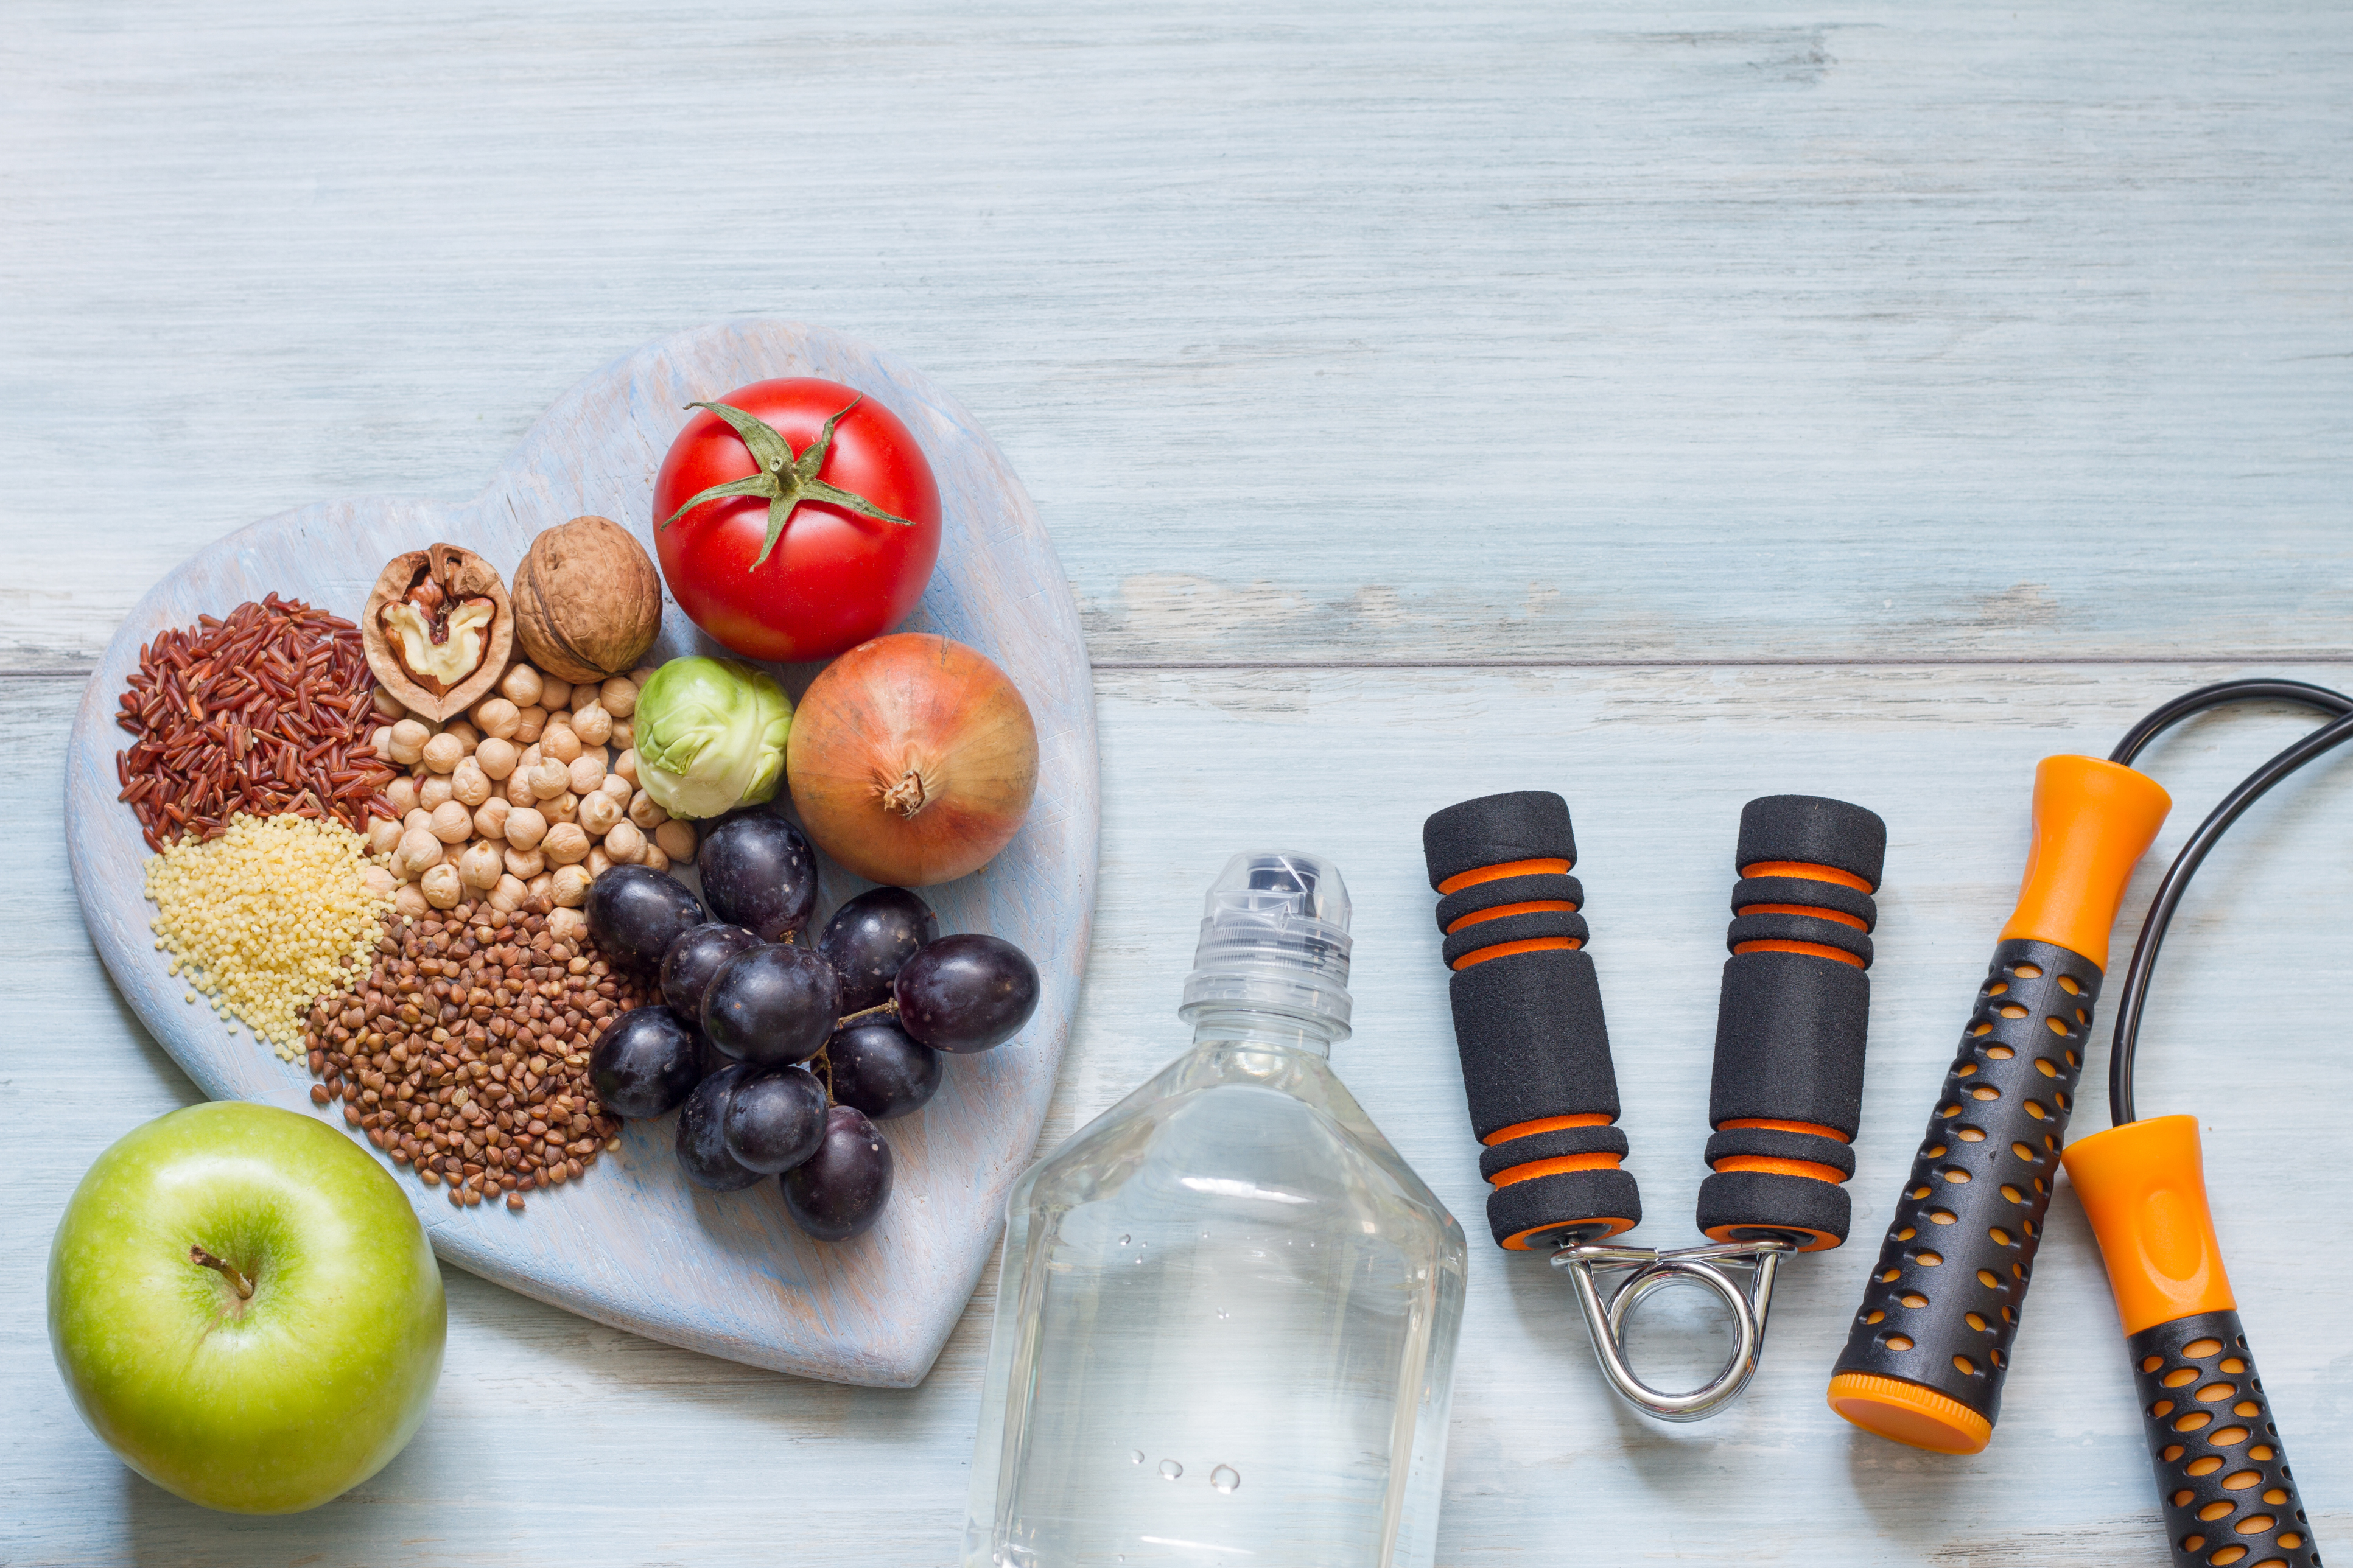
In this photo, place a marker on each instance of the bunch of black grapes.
(748, 1013)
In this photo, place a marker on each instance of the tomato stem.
(784, 481)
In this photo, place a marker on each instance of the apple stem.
(227, 1271)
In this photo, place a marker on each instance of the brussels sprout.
(711, 736)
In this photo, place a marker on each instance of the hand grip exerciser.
(1925, 1361)
(1543, 1094)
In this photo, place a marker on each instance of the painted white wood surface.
(1933, 335)
(636, 1244)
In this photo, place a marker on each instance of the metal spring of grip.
(1640, 1272)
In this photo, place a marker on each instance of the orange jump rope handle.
(1925, 1361)
(2222, 1476)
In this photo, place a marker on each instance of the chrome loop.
(1647, 1271)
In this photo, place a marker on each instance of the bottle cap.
(1274, 939)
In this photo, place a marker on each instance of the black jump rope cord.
(2250, 789)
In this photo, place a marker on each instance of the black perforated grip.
(2223, 1480)
(1791, 1021)
(1528, 1022)
(1944, 1300)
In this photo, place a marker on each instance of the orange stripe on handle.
(1779, 1167)
(1817, 949)
(1815, 1128)
(1544, 1124)
(1532, 944)
(1810, 873)
(1814, 910)
(1616, 1228)
(1534, 906)
(1478, 874)
(1554, 1166)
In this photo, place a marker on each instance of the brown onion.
(912, 760)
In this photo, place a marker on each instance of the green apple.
(245, 1309)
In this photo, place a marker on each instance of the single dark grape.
(634, 913)
(879, 1070)
(776, 1119)
(759, 872)
(694, 957)
(775, 1006)
(839, 1191)
(645, 1063)
(702, 1140)
(966, 992)
(870, 937)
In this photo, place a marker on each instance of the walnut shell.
(463, 574)
(587, 601)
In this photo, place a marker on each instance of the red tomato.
(834, 578)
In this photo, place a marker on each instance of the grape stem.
(879, 1010)
(227, 1271)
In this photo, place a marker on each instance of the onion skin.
(912, 760)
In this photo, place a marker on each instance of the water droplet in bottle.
(1225, 1477)
(1123, 1240)
(1136, 1456)
(1221, 1314)
(1170, 1469)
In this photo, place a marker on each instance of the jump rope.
(1929, 1348)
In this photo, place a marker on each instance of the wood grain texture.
(636, 1244)
(1723, 334)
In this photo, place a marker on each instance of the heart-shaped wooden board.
(634, 1244)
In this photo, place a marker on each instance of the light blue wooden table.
(1661, 406)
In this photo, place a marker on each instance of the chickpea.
(618, 788)
(497, 716)
(587, 771)
(550, 778)
(555, 691)
(384, 838)
(526, 825)
(469, 785)
(567, 925)
(626, 764)
(379, 880)
(570, 887)
(655, 859)
(566, 843)
(525, 863)
(530, 757)
(387, 705)
(480, 866)
(436, 793)
(619, 697)
(508, 895)
(599, 813)
(640, 676)
(559, 741)
(529, 724)
(466, 733)
(565, 807)
(410, 902)
(625, 734)
(402, 792)
(495, 757)
(418, 817)
(443, 751)
(626, 843)
(645, 813)
(408, 738)
(380, 740)
(537, 886)
(418, 852)
(452, 823)
(441, 886)
(677, 840)
(490, 817)
(522, 686)
(598, 862)
(519, 788)
(592, 724)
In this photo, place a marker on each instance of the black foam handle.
(1528, 1021)
(1943, 1303)
(1791, 1022)
(2222, 1479)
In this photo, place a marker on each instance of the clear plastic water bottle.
(1226, 1322)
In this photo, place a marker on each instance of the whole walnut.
(587, 600)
